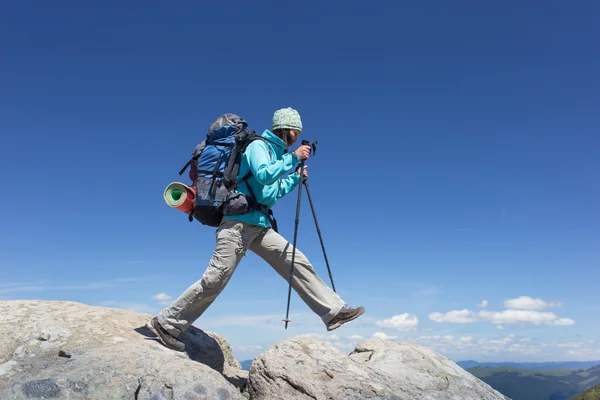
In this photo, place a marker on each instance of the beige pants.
(233, 239)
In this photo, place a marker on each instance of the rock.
(210, 348)
(68, 350)
(433, 375)
(306, 368)
(238, 378)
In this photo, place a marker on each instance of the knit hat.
(287, 118)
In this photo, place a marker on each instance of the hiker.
(269, 162)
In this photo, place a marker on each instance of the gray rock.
(433, 375)
(106, 353)
(66, 350)
(306, 368)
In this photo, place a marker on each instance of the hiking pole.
(312, 207)
(287, 313)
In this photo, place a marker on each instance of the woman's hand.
(305, 174)
(303, 152)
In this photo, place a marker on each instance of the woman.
(269, 162)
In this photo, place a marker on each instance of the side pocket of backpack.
(207, 209)
(237, 204)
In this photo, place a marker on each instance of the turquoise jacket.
(268, 182)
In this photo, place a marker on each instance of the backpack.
(214, 169)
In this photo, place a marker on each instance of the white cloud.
(430, 292)
(500, 327)
(519, 347)
(528, 303)
(356, 337)
(501, 317)
(436, 338)
(17, 284)
(523, 316)
(464, 342)
(40, 286)
(571, 344)
(265, 320)
(320, 336)
(454, 317)
(328, 337)
(506, 339)
(404, 321)
(524, 349)
(584, 353)
(483, 304)
(564, 322)
(162, 298)
(137, 307)
(383, 336)
(343, 343)
(248, 348)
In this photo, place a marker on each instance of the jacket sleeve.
(288, 184)
(265, 170)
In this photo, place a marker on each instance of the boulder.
(309, 369)
(68, 350)
(422, 369)
(304, 368)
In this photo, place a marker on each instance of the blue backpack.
(214, 169)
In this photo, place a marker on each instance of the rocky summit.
(68, 350)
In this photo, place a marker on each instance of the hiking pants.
(233, 239)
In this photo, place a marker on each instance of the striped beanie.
(287, 118)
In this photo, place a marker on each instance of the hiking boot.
(165, 337)
(346, 314)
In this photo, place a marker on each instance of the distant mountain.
(522, 384)
(469, 364)
(590, 394)
(246, 364)
(537, 366)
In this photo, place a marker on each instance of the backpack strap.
(261, 207)
(244, 179)
(249, 174)
(195, 156)
(215, 173)
(194, 169)
(255, 204)
(188, 164)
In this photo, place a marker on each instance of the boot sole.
(159, 337)
(338, 324)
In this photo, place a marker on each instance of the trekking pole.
(287, 313)
(312, 207)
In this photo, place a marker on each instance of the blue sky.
(455, 181)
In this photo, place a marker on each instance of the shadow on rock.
(199, 346)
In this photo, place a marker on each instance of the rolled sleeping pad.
(180, 196)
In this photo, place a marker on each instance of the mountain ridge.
(592, 393)
(550, 365)
(522, 384)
